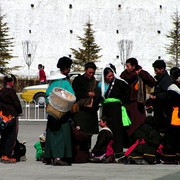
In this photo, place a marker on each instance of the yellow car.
(35, 93)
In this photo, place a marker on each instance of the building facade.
(50, 28)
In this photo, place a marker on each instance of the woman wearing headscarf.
(58, 145)
(10, 109)
(115, 93)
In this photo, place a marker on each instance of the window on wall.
(160, 6)
(159, 57)
(71, 31)
(32, 5)
(119, 6)
(69, 55)
(117, 31)
(159, 32)
(70, 6)
(117, 57)
(30, 31)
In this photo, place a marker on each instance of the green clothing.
(58, 143)
(58, 135)
(61, 83)
(39, 150)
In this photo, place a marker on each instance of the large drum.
(60, 101)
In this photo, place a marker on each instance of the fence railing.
(36, 112)
(33, 111)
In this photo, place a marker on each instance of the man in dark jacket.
(88, 98)
(137, 79)
(160, 96)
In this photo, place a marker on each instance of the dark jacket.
(162, 84)
(81, 88)
(103, 139)
(9, 102)
(132, 78)
(87, 117)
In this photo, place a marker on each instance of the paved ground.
(33, 170)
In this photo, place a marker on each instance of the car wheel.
(40, 99)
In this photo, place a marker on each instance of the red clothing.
(42, 76)
(136, 109)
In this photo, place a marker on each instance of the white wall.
(50, 22)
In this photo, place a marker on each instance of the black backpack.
(19, 150)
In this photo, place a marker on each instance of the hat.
(55, 75)
(64, 62)
(176, 75)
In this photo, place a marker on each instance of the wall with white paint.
(47, 24)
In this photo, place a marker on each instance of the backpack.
(19, 151)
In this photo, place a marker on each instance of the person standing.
(10, 109)
(42, 74)
(172, 137)
(137, 78)
(88, 99)
(159, 98)
(115, 93)
(58, 145)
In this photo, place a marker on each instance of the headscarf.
(103, 81)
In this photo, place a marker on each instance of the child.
(103, 151)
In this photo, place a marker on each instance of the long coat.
(87, 117)
(58, 135)
(162, 112)
(135, 109)
(9, 105)
(121, 91)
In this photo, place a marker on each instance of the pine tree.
(89, 51)
(6, 43)
(173, 49)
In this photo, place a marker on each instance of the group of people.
(124, 101)
(121, 96)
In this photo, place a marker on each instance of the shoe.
(95, 160)
(47, 161)
(108, 159)
(59, 162)
(5, 159)
(23, 158)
